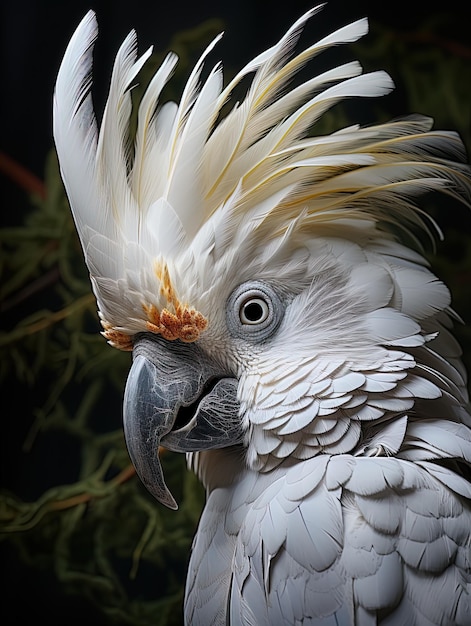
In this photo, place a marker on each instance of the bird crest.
(201, 196)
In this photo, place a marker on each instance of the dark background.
(34, 35)
(33, 38)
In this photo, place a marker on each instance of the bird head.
(256, 270)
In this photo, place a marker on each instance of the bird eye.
(254, 311)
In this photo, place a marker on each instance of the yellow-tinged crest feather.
(200, 190)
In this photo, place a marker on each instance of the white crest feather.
(202, 166)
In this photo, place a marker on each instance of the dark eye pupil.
(253, 311)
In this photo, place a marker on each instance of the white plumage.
(270, 262)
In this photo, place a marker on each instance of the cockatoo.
(287, 333)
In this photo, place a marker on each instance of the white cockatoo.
(287, 332)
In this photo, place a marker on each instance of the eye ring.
(254, 311)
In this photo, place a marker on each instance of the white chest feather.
(335, 540)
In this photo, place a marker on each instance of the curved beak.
(176, 397)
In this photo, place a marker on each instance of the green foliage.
(88, 521)
(100, 530)
(430, 68)
(92, 523)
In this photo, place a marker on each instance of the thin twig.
(48, 320)
(21, 176)
(42, 282)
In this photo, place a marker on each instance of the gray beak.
(176, 397)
